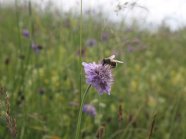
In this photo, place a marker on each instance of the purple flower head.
(89, 109)
(26, 33)
(91, 42)
(99, 76)
(130, 48)
(36, 47)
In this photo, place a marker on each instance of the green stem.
(80, 113)
(80, 49)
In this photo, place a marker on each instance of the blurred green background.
(40, 71)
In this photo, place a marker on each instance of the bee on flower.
(100, 75)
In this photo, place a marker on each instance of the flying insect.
(111, 61)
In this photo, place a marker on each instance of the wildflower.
(99, 76)
(25, 33)
(91, 42)
(36, 47)
(105, 36)
(130, 48)
(83, 52)
(89, 109)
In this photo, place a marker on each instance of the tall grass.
(44, 87)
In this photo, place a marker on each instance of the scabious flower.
(26, 33)
(91, 42)
(89, 109)
(37, 48)
(99, 76)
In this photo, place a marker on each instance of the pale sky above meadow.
(172, 12)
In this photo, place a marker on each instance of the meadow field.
(42, 78)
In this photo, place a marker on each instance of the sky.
(147, 12)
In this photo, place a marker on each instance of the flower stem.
(80, 113)
(80, 50)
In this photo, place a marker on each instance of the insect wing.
(117, 61)
(111, 57)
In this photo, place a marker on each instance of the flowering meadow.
(49, 59)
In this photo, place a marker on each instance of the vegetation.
(40, 77)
